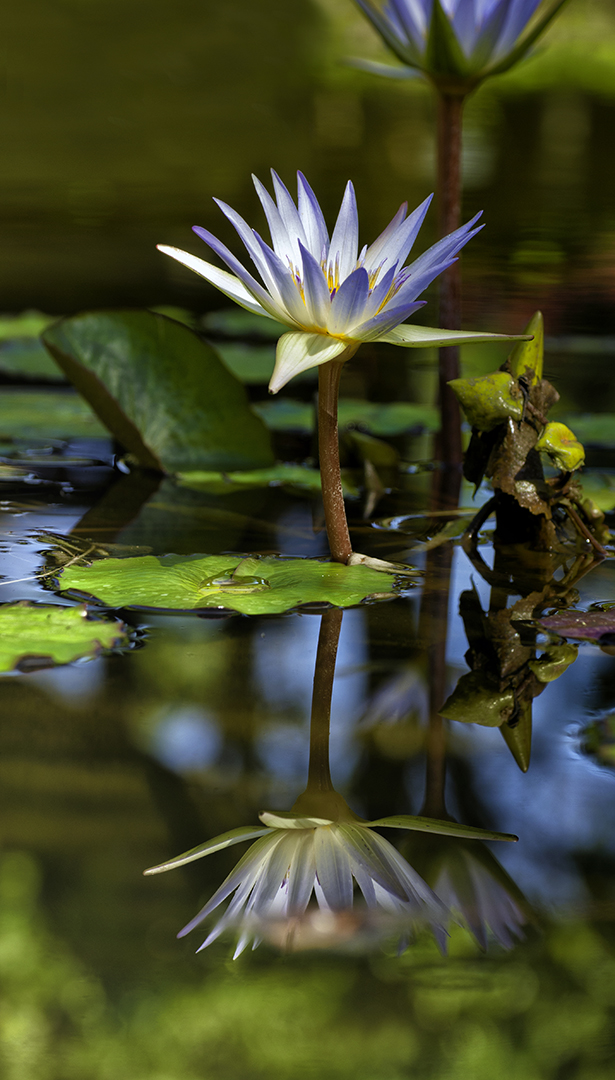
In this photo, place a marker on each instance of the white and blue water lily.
(331, 295)
(456, 43)
(298, 854)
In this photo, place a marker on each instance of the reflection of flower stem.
(319, 775)
(328, 450)
(450, 109)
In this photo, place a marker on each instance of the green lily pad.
(55, 634)
(27, 356)
(236, 323)
(162, 391)
(284, 474)
(251, 585)
(600, 488)
(30, 324)
(397, 418)
(596, 429)
(47, 414)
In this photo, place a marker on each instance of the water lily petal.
(347, 306)
(395, 245)
(285, 286)
(345, 240)
(225, 282)
(290, 216)
(365, 852)
(257, 290)
(376, 328)
(434, 825)
(301, 876)
(286, 819)
(227, 839)
(315, 291)
(246, 234)
(519, 14)
(332, 869)
(446, 248)
(298, 352)
(312, 218)
(421, 337)
(279, 234)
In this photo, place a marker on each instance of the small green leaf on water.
(284, 474)
(489, 400)
(251, 585)
(55, 634)
(597, 429)
(562, 446)
(162, 391)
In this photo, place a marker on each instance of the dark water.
(121, 120)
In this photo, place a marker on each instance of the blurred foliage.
(546, 1008)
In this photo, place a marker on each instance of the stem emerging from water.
(450, 109)
(329, 455)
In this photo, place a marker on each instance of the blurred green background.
(120, 120)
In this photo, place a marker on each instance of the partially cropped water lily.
(473, 885)
(298, 855)
(456, 43)
(332, 295)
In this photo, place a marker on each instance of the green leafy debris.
(160, 390)
(562, 446)
(489, 400)
(55, 634)
(251, 585)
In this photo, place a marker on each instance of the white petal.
(345, 240)
(421, 337)
(298, 351)
(332, 869)
(348, 304)
(235, 836)
(316, 232)
(225, 282)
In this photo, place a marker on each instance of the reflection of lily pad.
(55, 634)
(47, 414)
(252, 585)
(598, 626)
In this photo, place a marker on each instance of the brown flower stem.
(319, 775)
(329, 456)
(450, 109)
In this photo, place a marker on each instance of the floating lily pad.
(47, 414)
(251, 585)
(397, 418)
(594, 429)
(30, 324)
(162, 391)
(26, 356)
(283, 474)
(236, 323)
(597, 626)
(57, 635)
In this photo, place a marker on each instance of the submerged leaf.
(57, 635)
(162, 391)
(251, 585)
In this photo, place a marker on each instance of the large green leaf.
(55, 634)
(46, 414)
(252, 585)
(163, 392)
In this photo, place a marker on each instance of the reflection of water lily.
(296, 856)
(331, 295)
(473, 885)
(456, 43)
